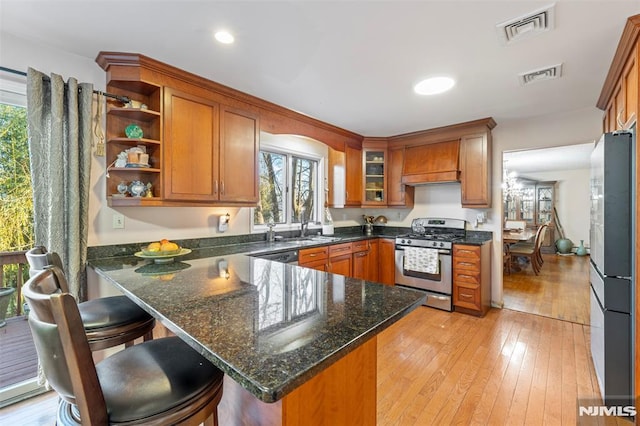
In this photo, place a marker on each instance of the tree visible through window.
(16, 200)
(288, 188)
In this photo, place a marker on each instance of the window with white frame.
(290, 190)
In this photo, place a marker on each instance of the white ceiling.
(569, 157)
(352, 63)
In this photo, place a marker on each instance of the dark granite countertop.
(476, 238)
(269, 326)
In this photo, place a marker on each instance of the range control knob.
(402, 241)
(408, 241)
(441, 244)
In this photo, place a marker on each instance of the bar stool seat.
(108, 321)
(163, 381)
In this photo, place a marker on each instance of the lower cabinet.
(340, 259)
(472, 278)
(314, 258)
(386, 261)
(365, 260)
(360, 259)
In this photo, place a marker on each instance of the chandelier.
(511, 187)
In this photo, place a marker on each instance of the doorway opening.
(548, 187)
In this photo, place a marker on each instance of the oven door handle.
(440, 251)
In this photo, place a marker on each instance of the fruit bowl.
(159, 252)
(163, 256)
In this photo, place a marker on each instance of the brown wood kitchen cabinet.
(374, 168)
(314, 258)
(475, 170)
(619, 95)
(386, 261)
(353, 176)
(398, 194)
(472, 278)
(210, 150)
(340, 259)
(192, 144)
(149, 119)
(344, 180)
(365, 260)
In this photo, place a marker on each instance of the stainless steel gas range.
(423, 258)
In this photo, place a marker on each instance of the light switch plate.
(118, 221)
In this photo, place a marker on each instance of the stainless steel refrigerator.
(612, 186)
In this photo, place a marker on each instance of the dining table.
(514, 236)
(294, 343)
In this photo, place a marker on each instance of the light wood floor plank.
(561, 290)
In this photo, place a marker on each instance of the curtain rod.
(123, 99)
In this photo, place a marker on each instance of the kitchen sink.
(314, 238)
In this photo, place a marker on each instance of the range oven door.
(438, 287)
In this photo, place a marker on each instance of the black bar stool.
(108, 321)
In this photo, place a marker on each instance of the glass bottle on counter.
(327, 222)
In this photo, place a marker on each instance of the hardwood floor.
(507, 368)
(561, 290)
(436, 367)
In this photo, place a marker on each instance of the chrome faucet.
(271, 235)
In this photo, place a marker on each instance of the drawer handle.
(341, 249)
(466, 296)
(313, 255)
(362, 254)
(465, 276)
(467, 264)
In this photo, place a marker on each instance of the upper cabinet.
(191, 135)
(475, 170)
(374, 166)
(196, 143)
(353, 176)
(201, 148)
(619, 95)
(239, 147)
(399, 194)
(210, 150)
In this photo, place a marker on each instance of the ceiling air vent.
(526, 26)
(547, 73)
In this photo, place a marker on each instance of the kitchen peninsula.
(301, 342)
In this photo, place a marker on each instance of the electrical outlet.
(118, 221)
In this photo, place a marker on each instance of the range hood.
(431, 163)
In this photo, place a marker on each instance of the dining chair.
(532, 252)
(163, 381)
(108, 321)
(506, 258)
(531, 244)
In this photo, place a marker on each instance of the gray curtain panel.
(59, 128)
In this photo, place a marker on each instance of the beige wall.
(571, 201)
(145, 224)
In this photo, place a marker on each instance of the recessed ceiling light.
(224, 37)
(434, 85)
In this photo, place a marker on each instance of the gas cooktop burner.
(433, 232)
